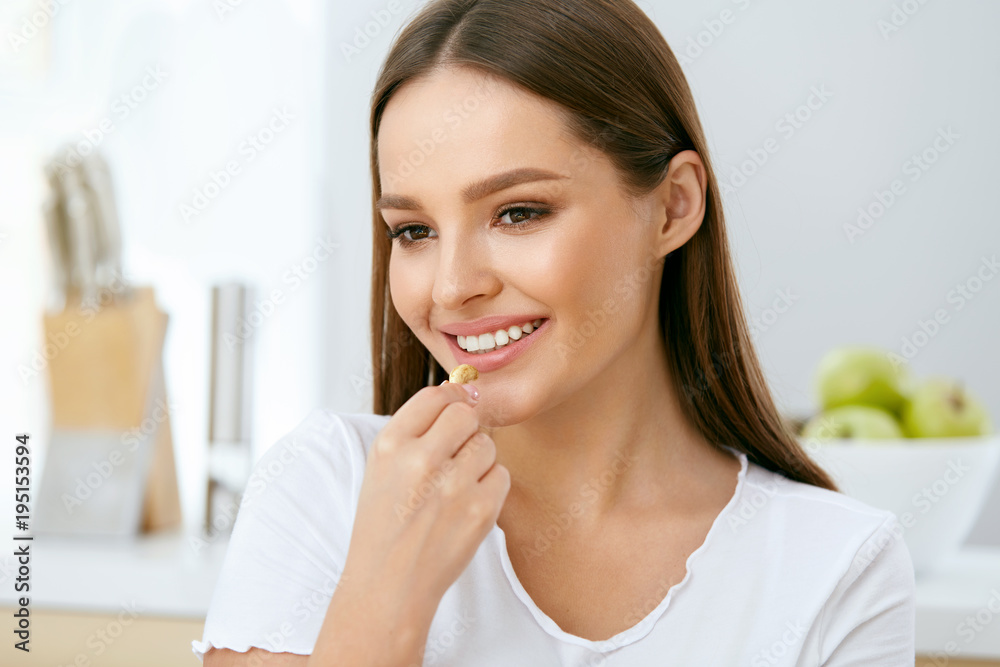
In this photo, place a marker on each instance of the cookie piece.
(464, 373)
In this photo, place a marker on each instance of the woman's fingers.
(456, 424)
(416, 416)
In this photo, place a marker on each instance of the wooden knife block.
(110, 376)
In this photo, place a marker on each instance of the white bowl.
(935, 486)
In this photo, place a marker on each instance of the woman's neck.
(618, 444)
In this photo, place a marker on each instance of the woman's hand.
(431, 492)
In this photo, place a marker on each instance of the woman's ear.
(680, 202)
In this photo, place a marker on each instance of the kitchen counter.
(958, 607)
(173, 575)
(169, 574)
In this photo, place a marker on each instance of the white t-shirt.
(789, 575)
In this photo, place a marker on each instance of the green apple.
(853, 421)
(862, 375)
(941, 407)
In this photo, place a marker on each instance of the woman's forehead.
(458, 104)
(454, 123)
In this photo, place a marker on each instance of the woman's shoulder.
(814, 539)
(770, 494)
(326, 431)
(291, 536)
(326, 450)
(818, 525)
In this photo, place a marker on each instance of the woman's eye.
(513, 217)
(410, 234)
(519, 215)
(417, 232)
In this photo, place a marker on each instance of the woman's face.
(558, 241)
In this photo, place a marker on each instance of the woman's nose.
(464, 271)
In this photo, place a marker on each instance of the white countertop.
(172, 575)
(161, 575)
(949, 602)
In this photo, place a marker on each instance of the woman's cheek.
(588, 269)
(406, 287)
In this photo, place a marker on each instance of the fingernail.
(473, 392)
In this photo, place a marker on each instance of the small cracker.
(464, 373)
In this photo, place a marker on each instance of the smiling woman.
(619, 473)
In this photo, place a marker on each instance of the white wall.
(889, 93)
(221, 76)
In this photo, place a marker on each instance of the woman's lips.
(497, 358)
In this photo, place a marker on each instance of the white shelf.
(166, 575)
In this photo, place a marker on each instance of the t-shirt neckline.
(643, 627)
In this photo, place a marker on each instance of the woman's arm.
(399, 561)
(374, 627)
(255, 657)
(352, 649)
(342, 644)
(370, 625)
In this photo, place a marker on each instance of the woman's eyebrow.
(477, 190)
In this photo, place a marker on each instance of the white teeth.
(496, 339)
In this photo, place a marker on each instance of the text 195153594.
(22, 550)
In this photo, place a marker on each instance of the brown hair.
(608, 66)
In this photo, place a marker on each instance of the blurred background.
(218, 154)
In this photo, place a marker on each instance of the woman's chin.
(495, 412)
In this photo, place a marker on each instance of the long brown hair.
(608, 66)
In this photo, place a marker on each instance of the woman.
(617, 487)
